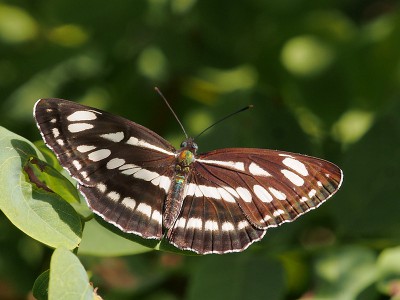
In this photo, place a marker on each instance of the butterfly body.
(174, 200)
(216, 202)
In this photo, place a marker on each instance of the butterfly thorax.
(183, 166)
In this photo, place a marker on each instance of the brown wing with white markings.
(235, 194)
(124, 170)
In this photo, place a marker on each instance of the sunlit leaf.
(39, 213)
(68, 278)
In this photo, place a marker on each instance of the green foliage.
(68, 278)
(40, 289)
(237, 276)
(99, 241)
(42, 215)
(324, 79)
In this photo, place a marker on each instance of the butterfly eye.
(184, 144)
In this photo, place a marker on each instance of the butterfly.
(216, 202)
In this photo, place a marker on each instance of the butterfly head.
(187, 152)
(189, 145)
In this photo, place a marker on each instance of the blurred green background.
(324, 77)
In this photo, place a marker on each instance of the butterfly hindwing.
(209, 224)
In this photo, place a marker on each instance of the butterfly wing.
(235, 194)
(209, 224)
(123, 169)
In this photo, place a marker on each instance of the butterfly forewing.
(226, 199)
(123, 169)
(270, 187)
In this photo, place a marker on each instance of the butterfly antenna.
(169, 106)
(224, 118)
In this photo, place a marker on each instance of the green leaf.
(345, 273)
(99, 230)
(48, 155)
(49, 179)
(59, 181)
(237, 276)
(42, 215)
(389, 270)
(68, 278)
(41, 286)
(97, 240)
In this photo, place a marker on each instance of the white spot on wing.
(232, 191)
(55, 132)
(143, 144)
(145, 175)
(243, 224)
(77, 164)
(114, 137)
(207, 191)
(210, 191)
(257, 170)
(156, 216)
(60, 142)
(293, 177)
(229, 164)
(211, 225)
(129, 166)
(85, 148)
(278, 194)
(115, 163)
(101, 187)
(225, 195)
(244, 194)
(114, 196)
(198, 192)
(129, 169)
(144, 209)
(312, 193)
(82, 115)
(99, 154)
(163, 182)
(180, 223)
(285, 155)
(296, 165)
(262, 194)
(195, 223)
(303, 199)
(267, 218)
(278, 212)
(129, 203)
(189, 189)
(78, 127)
(227, 226)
